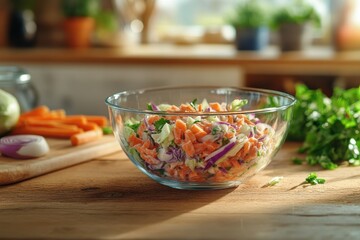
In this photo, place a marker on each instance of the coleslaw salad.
(203, 148)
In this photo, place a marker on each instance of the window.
(189, 21)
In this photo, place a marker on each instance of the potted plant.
(79, 21)
(292, 22)
(250, 21)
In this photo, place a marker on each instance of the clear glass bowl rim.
(292, 101)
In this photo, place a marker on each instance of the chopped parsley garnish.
(159, 124)
(149, 107)
(297, 161)
(328, 126)
(193, 103)
(134, 126)
(107, 130)
(215, 130)
(314, 180)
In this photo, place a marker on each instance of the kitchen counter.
(108, 198)
(312, 61)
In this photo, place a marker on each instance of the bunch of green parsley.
(328, 126)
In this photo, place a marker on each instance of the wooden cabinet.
(82, 88)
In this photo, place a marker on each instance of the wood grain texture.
(312, 61)
(108, 198)
(61, 155)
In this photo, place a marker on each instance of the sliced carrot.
(153, 118)
(178, 134)
(229, 135)
(180, 124)
(133, 140)
(173, 108)
(186, 108)
(230, 119)
(189, 136)
(197, 131)
(215, 106)
(86, 137)
(141, 129)
(46, 131)
(195, 177)
(189, 149)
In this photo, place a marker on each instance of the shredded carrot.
(86, 137)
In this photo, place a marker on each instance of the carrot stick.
(58, 113)
(85, 137)
(88, 126)
(101, 121)
(75, 120)
(48, 123)
(38, 111)
(46, 131)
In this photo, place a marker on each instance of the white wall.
(82, 89)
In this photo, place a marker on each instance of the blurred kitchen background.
(133, 44)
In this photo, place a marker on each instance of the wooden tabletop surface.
(108, 198)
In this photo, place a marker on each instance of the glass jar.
(17, 81)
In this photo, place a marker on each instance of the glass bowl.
(200, 137)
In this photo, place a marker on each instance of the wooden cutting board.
(61, 155)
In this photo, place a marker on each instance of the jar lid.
(13, 75)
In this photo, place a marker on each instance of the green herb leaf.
(134, 126)
(159, 124)
(193, 103)
(328, 126)
(107, 130)
(314, 180)
(297, 161)
(149, 107)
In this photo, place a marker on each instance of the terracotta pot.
(78, 31)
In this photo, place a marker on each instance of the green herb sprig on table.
(329, 127)
(314, 180)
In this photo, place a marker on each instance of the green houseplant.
(292, 22)
(79, 21)
(250, 21)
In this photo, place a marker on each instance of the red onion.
(154, 107)
(216, 155)
(23, 146)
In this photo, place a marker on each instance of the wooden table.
(108, 198)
